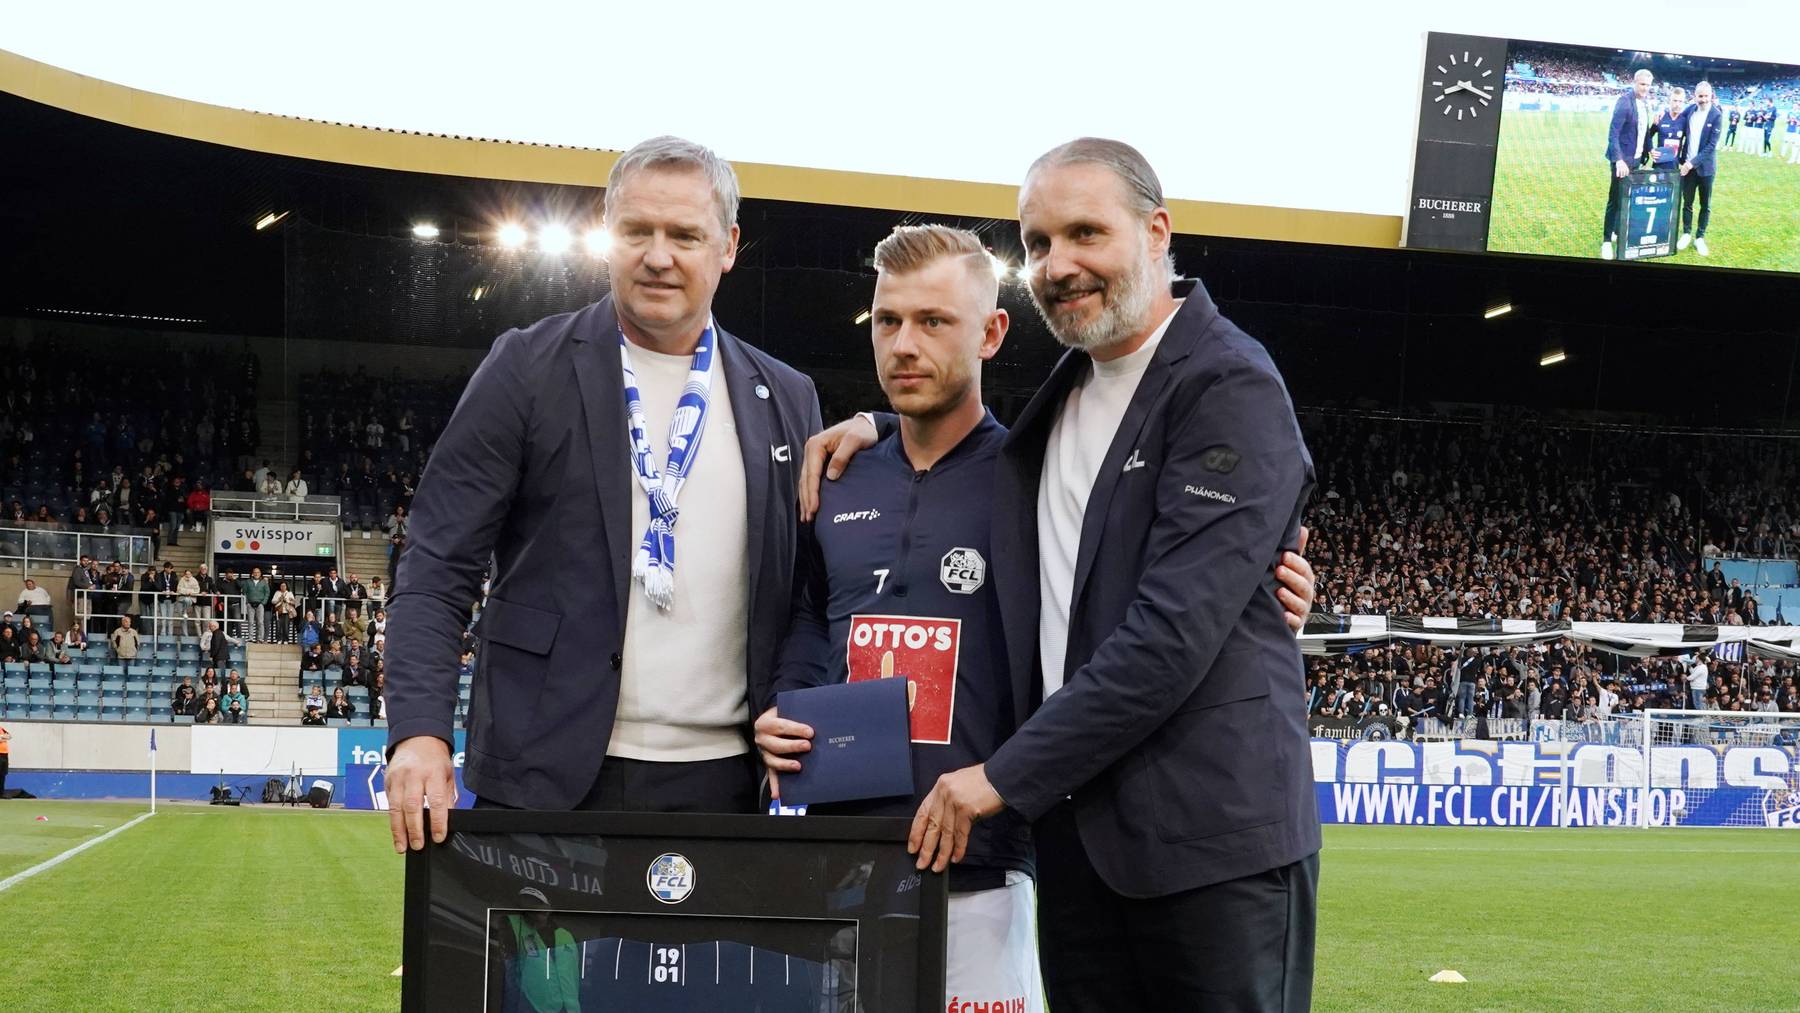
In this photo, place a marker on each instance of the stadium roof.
(108, 219)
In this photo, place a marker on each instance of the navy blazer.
(532, 469)
(1622, 136)
(1706, 156)
(1180, 731)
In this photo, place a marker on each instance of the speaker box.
(320, 795)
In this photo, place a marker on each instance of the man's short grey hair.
(674, 152)
(1143, 191)
(1643, 72)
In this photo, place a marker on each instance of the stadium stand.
(1498, 516)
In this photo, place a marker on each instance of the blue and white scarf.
(654, 564)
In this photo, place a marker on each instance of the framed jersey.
(535, 911)
(1647, 215)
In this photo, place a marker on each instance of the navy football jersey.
(701, 977)
(898, 586)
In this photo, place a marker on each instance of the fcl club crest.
(921, 650)
(670, 878)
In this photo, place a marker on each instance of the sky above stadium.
(1309, 104)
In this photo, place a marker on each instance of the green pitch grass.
(1550, 192)
(206, 908)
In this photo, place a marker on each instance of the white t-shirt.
(1697, 676)
(1083, 431)
(1696, 122)
(683, 680)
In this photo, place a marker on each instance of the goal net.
(1722, 768)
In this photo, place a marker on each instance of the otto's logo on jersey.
(921, 650)
(963, 571)
(670, 878)
(856, 515)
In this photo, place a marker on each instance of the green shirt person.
(546, 976)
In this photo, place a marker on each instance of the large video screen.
(1612, 154)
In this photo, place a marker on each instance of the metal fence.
(44, 544)
(276, 508)
(160, 618)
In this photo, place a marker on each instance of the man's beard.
(1124, 311)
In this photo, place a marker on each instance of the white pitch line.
(51, 863)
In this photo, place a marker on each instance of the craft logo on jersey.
(963, 571)
(919, 649)
(670, 878)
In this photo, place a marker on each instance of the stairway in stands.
(275, 684)
(278, 431)
(365, 557)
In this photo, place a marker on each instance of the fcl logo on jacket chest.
(921, 650)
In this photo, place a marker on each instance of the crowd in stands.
(365, 439)
(1554, 72)
(1521, 520)
(103, 457)
(342, 640)
(1558, 681)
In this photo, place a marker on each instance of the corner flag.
(153, 740)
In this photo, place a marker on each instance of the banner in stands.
(1755, 782)
(1334, 634)
(365, 787)
(273, 538)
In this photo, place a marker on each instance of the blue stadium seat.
(63, 697)
(136, 714)
(112, 713)
(115, 671)
(17, 698)
(15, 681)
(337, 722)
(11, 668)
(112, 685)
(136, 699)
(60, 713)
(38, 712)
(141, 685)
(87, 714)
(40, 696)
(86, 683)
(86, 698)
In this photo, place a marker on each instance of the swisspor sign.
(923, 651)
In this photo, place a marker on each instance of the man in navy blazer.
(1152, 485)
(588, 693)
(1631, 119)
(1699, 164)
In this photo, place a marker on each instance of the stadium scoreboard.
(1518, 145)
(657, 913)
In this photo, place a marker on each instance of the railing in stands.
(276, 508)
(43, 544)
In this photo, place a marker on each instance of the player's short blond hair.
(910, 247)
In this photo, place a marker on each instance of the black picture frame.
(748, 872)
